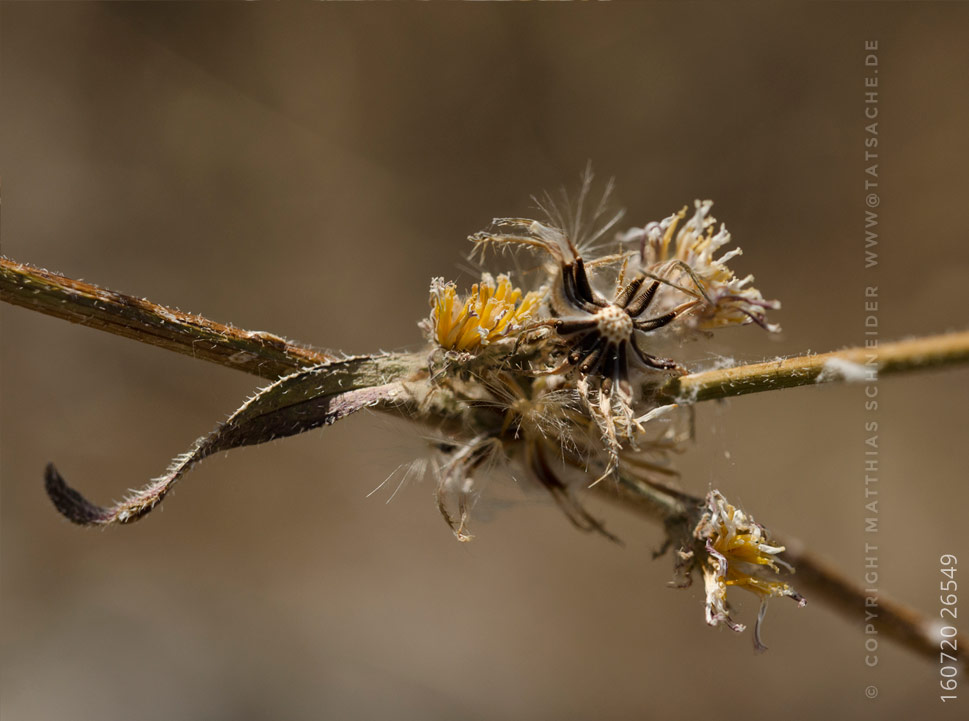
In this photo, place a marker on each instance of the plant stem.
(269, 356)
(904, 625)
(262, 354)
(865, 364)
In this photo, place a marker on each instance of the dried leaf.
(307, 399)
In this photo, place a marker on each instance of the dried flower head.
(492, 312)
(684, 258)
(738, 553)
(599, 336)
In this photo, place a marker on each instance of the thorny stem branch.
(269, 356)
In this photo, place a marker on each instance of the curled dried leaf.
(309, 398)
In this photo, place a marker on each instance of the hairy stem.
(269, 356)
(851, 364)
(262, 354)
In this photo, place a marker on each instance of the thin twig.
(269, 356)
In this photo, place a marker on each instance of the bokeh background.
(306, 170)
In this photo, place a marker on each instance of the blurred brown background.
(306, 170)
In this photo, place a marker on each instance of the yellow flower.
(492, 312)
(739, 553)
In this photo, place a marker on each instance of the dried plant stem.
(269, 356)
(262, 354)
(902, 624)
(887, 358)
